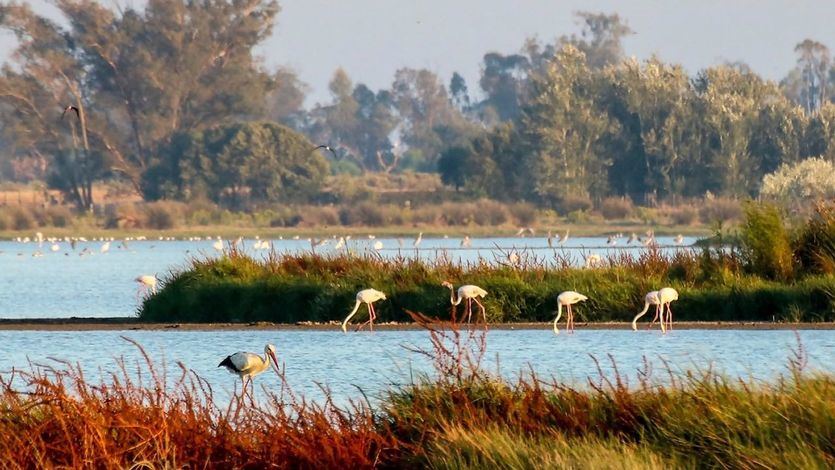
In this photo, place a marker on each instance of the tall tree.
(809, 82)
(600, 38)
(136, 77)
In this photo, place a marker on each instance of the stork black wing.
(227, 363)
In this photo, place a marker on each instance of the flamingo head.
(447, 284)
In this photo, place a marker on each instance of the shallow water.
(375, 361)
(65, 283)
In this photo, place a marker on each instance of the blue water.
(376, 361)
(67, 283)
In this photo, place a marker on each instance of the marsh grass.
(288, 288)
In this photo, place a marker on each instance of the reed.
(310, 287)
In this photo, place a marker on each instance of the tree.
(240, 163)
(798, 185)
(808, 83)
(285, 102)
(564, 124)
(136, 77)
(600, 38)
(503, 79)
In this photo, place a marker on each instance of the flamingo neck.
(452, 297)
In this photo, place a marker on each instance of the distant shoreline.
(131, 324)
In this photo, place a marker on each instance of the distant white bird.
(55, 247)
(218, 245)
(105, 247)
(567, 299)
(611, 241)
(650, 299)
(339, 244)
(147, 283)
(247, 365)
(378, 245)
(632, 238)
(418, 240)
(367, 297)
(593, 260)
(564, 238)
(679, 239)
(466, 242)
(469, 292)
(550, 240)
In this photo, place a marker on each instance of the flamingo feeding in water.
(469, 292)
(247, 365)
(567, 299)
(367, 297)
(650, 299)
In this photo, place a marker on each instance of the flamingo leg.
(656, 317)
(371, 316)
(669, 317)
(663, 321)
(569, 323)
(469, 310)
(483, 310)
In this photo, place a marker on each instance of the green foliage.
(766, 242)
(321, 288)
(815, 244)
(239, 163)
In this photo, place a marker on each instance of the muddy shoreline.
(128, 324)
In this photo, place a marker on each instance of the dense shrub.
(720, 210)
(490, 213)
(21, 218)
(523, 213)
(59, 216)
(766, 242)
(683, 215)
(574, 203)
(616, 208)
(162, 215)
(815, 244)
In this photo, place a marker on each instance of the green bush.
(616, 208)
(766, 243)
(815, 244)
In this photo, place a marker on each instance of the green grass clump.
(308, 287)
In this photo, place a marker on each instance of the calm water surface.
(74, 282)
(375, 361)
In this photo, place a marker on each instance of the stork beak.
(274, 363)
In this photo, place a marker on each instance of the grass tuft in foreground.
(461, 417)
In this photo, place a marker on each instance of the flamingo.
(666, 296)
(679, 239)
(105, 247)
(650, 299)
(466, 242)
(564, 238)
(567, 299)
(247, 365)
(469, 292)
(418, 240)
(367, 297)
(147, 283)
(218, 245)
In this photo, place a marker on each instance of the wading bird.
(679, 239)
(105, 247)
(367, 297)
(650, 299)
(564, 238)
(418, 240)
(666, 296)
(567, 299)
(147, 283)
(470, 293)
(247, 365)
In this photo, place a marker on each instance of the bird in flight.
(71, 108)
(328, 148)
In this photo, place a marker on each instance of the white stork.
(247, 365)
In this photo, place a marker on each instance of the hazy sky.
(371, 39)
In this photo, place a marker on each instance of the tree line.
(172, 100)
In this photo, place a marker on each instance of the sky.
(371, 39)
